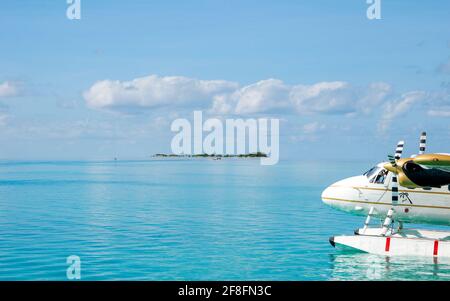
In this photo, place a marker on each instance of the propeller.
(394, 160)
(423, 143)
(422, 170)
(395, 169)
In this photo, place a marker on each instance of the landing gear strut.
(387, 222)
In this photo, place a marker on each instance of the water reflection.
(364, 266)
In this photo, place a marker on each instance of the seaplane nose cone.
(326, 194)
(334, 194)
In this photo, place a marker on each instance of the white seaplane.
(408, 190)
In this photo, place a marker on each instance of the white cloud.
(439, 103)
(308, 132)
(221, 105)
(440, 112)
(324, 97)
(225, 97)
(273, 95)
(396, 108)
(374, 96)
(152, 91)
(313, 127)
(263, 96)
(9, 89)
(339, 97)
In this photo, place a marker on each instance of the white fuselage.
(358, 194)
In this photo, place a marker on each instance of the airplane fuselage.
(358, 194)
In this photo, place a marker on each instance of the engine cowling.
(422, 171)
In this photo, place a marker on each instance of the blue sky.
(343, 86)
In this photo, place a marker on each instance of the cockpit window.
(380, 178)
(371, 172)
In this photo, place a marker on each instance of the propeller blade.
(398, 155)
(394, 193)
(399, 150)
(423, 143)
(391, 159)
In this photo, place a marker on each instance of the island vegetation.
(250, 155)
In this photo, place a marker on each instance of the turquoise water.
(183, 220)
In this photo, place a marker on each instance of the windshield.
(380, 178)
(371, 172)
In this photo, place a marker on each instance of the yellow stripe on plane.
(400, 190)
(386, 204)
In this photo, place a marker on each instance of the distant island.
(250, 155)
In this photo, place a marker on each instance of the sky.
(110, 84)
